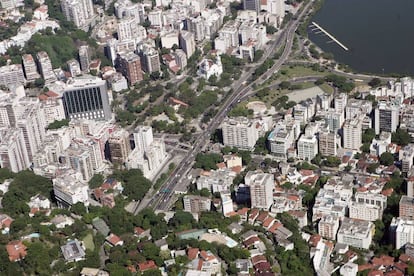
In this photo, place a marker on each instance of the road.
(162, 200)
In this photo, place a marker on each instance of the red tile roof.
(207, 256)
(138, 230)
(364, 267)
(113, 239)
(192, 253)
(243, 211)
(265, 266)
(236, 169)
(147, 266)
(262, 216)
(394, 272)
(16, 251)
(382, 261)
(314, 239)
(401, 266)
(405, 258)
(274, 227)
(387, 192)
(268, 221)
(176, 101)
(250, 241)
(258, 259)
(375, 273)
(306, 172)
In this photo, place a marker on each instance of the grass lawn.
(88, 241)
(276, 93)
(298, 71)
(327, 88)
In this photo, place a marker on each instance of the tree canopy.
(207, 161)
(386, 159)
(25, 185)
(134, 182)
(401, 137)
(58, 124)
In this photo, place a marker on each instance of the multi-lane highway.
(162, 199)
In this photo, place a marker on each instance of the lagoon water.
(378, 33)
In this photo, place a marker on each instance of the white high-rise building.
(328, 227)
(406, 156)
(363, 211)
(253, 5)
(352, 134)
(356, 233)
(239, 132)
(334, 119)
(155, 17)
(226, 204)
(143, 137)
(307, 147)
(128, 28)
(74, 67)
(276, 7)
(149, 154)
(33, 124)
(125, 8)
(386, 117)
(78, 158)
(30, 68)
(80, 12)
(261, 189)
(11, 75)
(197, 27)
(402, 231)
(52, 106)
(45, 67)
(150, 58)
(340, 102)
(84, 58)
(69, 190)
(187, 43)
(13, 153)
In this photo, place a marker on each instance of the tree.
(58, 124)
(375, 82)
(207, 161)
(78, 209)
(96, 181)
(135, 184)
(368, 135)
(152, 272)
(365, 147)
(270, 29)
(152, 252)
(372, 168)
(332, 161)
(285, 85)
(182, 220)
(401, 137)
(386, 159)
(39, 82)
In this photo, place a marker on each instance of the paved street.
(163, 199)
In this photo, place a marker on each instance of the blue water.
(379, 34)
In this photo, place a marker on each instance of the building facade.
(86, 98)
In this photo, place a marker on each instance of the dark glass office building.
(87, 98)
